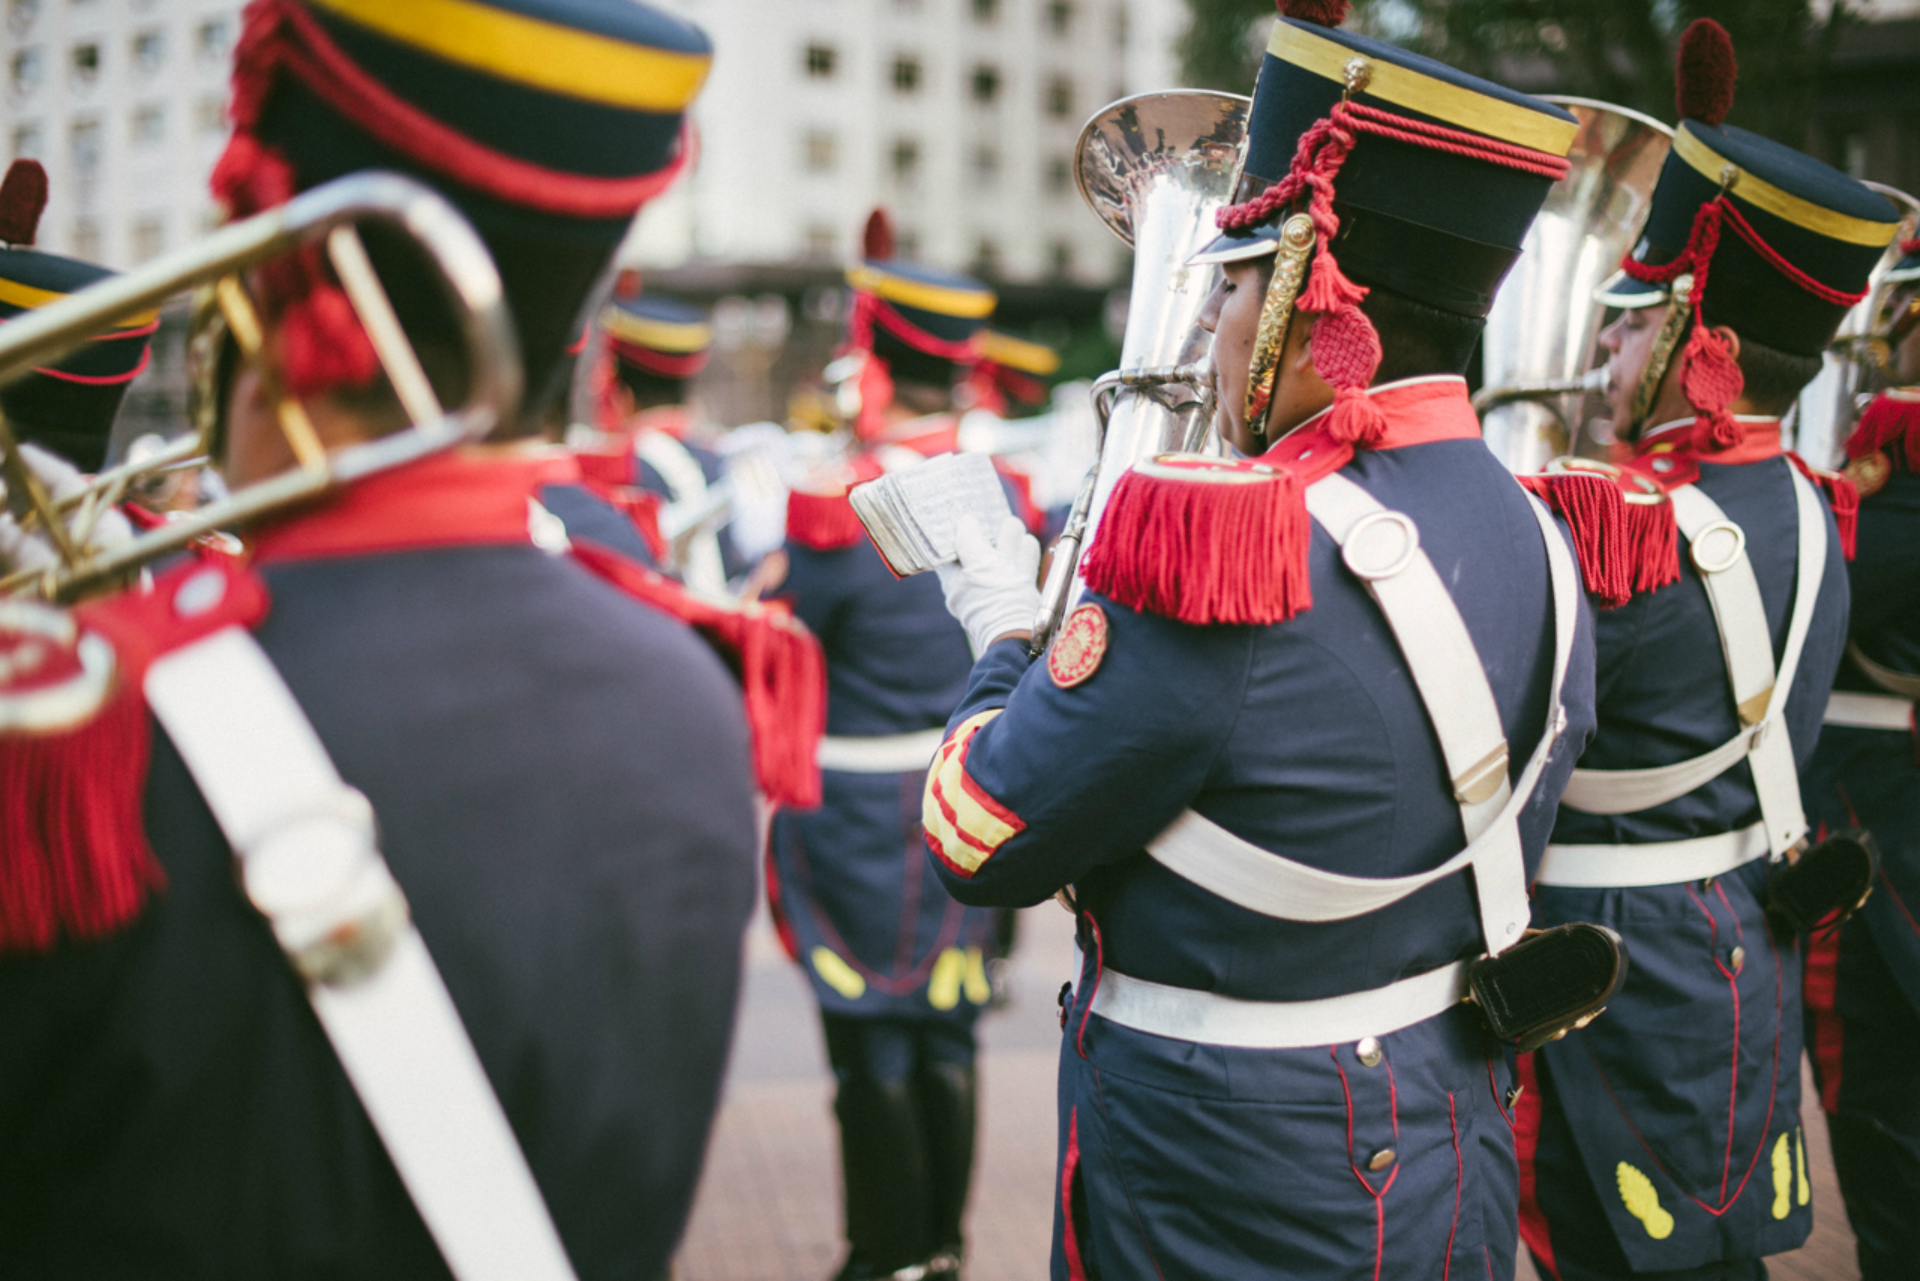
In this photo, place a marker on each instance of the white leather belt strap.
(1210, 1019)
(701, 564)
(1719, 551)
(1656, 863)
(307, 856)
(1869, 711)
(883, 754)
(1904, 684)
(1241, 872)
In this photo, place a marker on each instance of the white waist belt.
(1606, 867)
(1869, 711)
(1185, 1014)
(884, 754)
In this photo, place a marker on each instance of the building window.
(212, 39)
(818, 148)
(821, 242)
(985, 11)
(1059, 176)
(149, 238)
(149, 125)
(986, 83)
(1059, 96)
(20, 15)
(906, 160)
(28, 67)
(821, 60)
(27, 141)
(1059, 16)
(210, 113)
(1060, 259)
(85, 140)
(149, 51)
(86, 62)
(986, 257)
(906, 74)
(986, 166)
(85, 241)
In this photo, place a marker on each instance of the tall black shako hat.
(549, 123)
(1786, 242)
(658, 337)
(66, 407)
(1419, 179)
(916, 323)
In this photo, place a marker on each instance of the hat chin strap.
(1673, 327)
(1276, 316)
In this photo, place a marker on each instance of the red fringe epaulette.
(782, 671)
(608, 466)
(74, 857)
(1205, 540)
(1842, 498)
(1887, 439)
(824, 522)
(1624, 532)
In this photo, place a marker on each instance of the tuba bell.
(1540, 336)
(1155, 168)
(1824, 413)
(325, 219)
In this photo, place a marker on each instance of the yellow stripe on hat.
(673, 337)
(1761, 194)
(1405, 87)
(1018, 353)
(544, 55)
(946, 300)
(28, 297)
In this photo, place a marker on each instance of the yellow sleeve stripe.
(529, 51)
(965, 826)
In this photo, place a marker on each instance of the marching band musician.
(518, 918)
(1664, 1141)
(897, 966)
(1257, 788)
(1863, 981)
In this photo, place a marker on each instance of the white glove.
(61, 480)
(991, 589)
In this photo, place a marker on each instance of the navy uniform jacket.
(712, 467)
(1641, 1099)
(875, 931)
(1307, 738)
(562, 786)
(587, 517)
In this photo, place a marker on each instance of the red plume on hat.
(1705, 72)
(23, 197)
(1325, 13)
(877, 242)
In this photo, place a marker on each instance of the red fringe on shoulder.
(782, 671)
(1205, 551)
(824, 522)
(1842, 498)
(1890, 419)
(1652, 535)
(1597, 515)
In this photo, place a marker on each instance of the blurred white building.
(960, 116)
(124, 102)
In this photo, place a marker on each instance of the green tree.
(1619, 51)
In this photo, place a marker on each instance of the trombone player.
(1225, 764)
(358, 913)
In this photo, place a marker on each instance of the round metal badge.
(52, 675)
(1869, 473)
(1079, 648)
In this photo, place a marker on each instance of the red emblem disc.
(1078, 649)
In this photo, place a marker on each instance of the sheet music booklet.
(911, 514)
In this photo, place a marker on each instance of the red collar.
(464, 498)
(671, 420)
(1419, 411)
(1668, 457)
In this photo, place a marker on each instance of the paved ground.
(769, 1206)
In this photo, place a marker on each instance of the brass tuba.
(1154, 167)
(326, 217)
(1824, 413)
(1540, 336)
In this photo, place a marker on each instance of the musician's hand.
(62, 480)
(991, 588)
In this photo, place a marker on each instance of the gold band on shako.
(674, 338)
(965, 304)
(28, 297)
(1018, 354)
(1761, 194)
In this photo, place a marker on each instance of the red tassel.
(1219, 543)
(877, 241)
(323, 345)
(1652, 536)
(876, 397)
(23, 198)
(1329, 291)
(77, 861)
(824, 522)
(1892, 418)
(783, 673)
(1704, 73)
(1356, 419)
(1596, 514)
(1326, 13)
(1842, 499)
(1711, 379)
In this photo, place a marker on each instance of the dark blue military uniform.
(1863, 985)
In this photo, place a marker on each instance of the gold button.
(1380, 1160)
(1369, 1052)
(1737, 958)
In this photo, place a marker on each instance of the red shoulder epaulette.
(75, 738)
(1887, 439)
(782, 671)
(1842, 497)
(820, 515)
(1624, 532)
